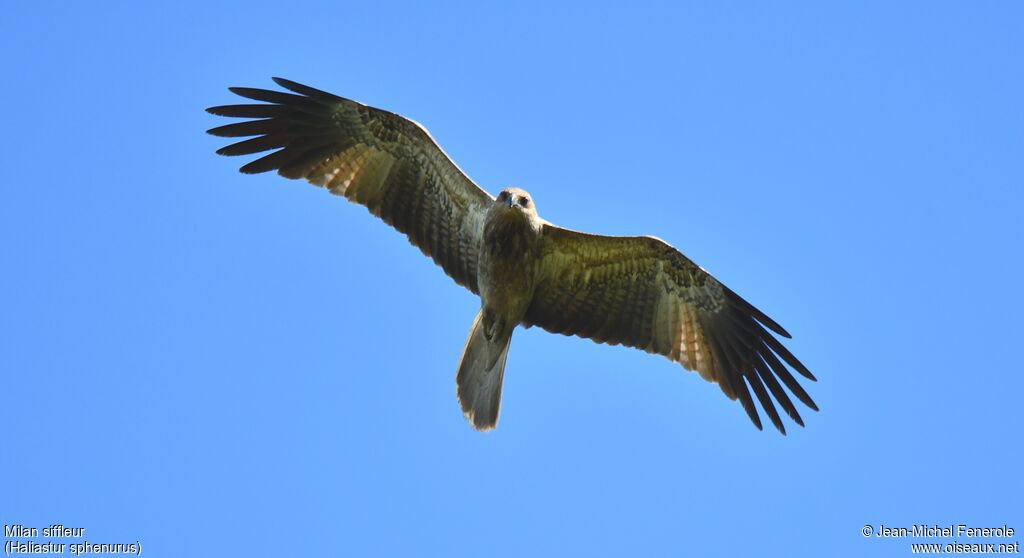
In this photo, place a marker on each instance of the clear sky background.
(217, 364)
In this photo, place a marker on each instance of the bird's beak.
(510, 201)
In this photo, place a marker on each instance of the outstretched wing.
(643, 293)
(373, 157)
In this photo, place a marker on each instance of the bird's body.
(509, 253)
(635, 291)
(506, 274)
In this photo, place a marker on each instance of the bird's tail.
(481, 371)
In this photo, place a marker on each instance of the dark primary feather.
(371, 156)
(643, 293)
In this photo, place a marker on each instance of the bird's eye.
(525, 202)
(503, 196)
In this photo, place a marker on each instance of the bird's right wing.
(641, 292)
(373, 157)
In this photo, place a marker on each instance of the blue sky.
(211, 364)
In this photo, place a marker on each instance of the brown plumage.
(373, 157)
(634, 291)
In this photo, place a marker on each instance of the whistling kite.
(637, 290)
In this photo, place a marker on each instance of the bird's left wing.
(373, 157)
(643, 293)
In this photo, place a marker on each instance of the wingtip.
(772, 325)
(754, 416)
(219, 110)
(777, 422)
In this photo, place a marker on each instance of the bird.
(635, 291)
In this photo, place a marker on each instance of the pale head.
(517, 198)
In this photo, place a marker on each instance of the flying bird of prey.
(636, 291)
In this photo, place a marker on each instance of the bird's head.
(517, 199)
